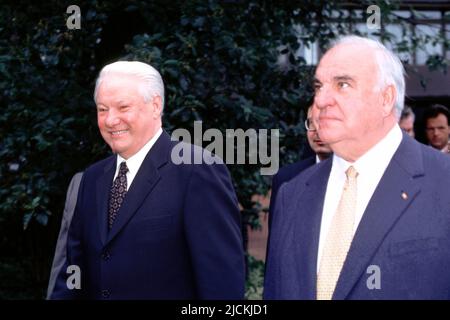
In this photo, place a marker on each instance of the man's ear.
(156, 105)
(389, 95)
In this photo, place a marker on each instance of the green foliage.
(47, 124)
(255, 281)
(47, 110)
(17, 281)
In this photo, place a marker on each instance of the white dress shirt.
(446, 149)
(134, 162)
(370, 168)
(317, 159)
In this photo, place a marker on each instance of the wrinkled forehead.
(354, 60)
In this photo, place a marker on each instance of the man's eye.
(101, 109)
(317, 87)
(124, 108)
(343, 85)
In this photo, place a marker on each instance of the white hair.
(391, 71)
(151, 81)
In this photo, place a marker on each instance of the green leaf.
(26, 219)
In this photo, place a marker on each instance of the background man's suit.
(285, 174)
(60, 252)
(177, 234)
(405, 231)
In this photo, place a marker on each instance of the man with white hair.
(145, 227)
(373, 221)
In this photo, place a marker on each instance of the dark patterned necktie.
(118, 192)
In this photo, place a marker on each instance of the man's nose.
(323, 97)
(112, 119)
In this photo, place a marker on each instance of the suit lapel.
(103, 187)
(144, 182)
(309, 207)
(384, 209)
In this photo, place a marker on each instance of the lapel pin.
(404, 195)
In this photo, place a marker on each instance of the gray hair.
(152, 83)
(407, 112)
(391, 71)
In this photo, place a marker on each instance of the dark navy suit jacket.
(177, 234)
(285, 174)
(404, 232)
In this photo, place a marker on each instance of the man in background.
(407, 119)
(437, 128)
(59, 258)
(321, 152)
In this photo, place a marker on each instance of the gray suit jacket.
(60, 252)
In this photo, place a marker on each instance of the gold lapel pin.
(404, 195)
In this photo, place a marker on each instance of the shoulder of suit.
(100, 165)
(436, 160)
(419, 160)
(77, 178)
(292, 170)
(311, 170)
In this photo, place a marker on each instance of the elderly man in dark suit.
(373, 221)
(145, 227)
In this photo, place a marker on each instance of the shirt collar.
(379, 155)
(317, 159)
(134, 162)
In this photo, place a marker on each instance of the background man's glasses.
(309, 125)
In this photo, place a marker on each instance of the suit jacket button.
(106, 293)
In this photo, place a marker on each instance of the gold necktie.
(338, 239)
